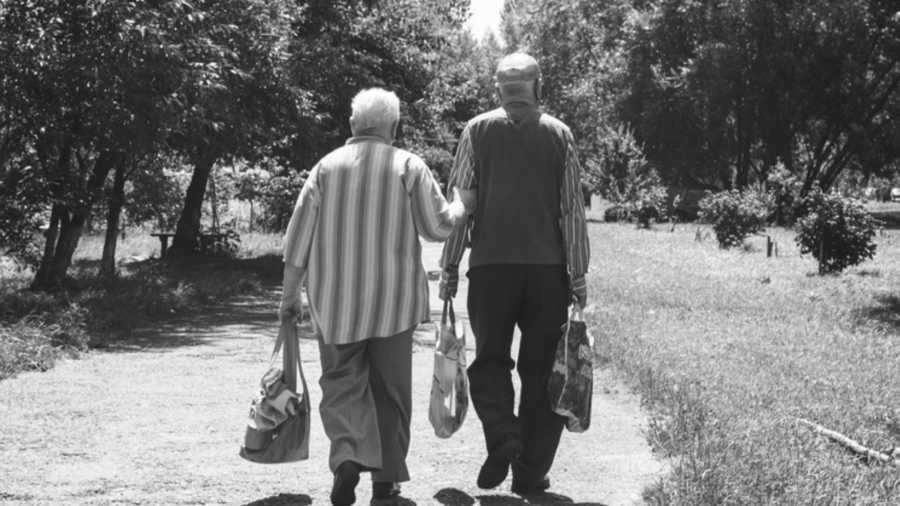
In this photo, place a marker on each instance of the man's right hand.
(448, 284)
(290, 310)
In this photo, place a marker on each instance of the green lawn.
(731, 347)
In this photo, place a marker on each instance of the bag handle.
(448, 310)
(287, 337)
(575, 314)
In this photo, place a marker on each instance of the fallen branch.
(855, 447)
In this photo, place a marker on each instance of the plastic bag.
(571, 382)
(450, 385)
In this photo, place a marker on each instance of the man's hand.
(290, 309)
(578, 292)
(449, 282)
(468, 197)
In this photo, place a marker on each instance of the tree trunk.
(116, 200)
(189, 222)
(42, 278)
(53, 271)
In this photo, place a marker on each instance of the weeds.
(37, 327)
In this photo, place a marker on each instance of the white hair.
(374, 108)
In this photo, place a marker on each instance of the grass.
(730, 347)
(37, 328)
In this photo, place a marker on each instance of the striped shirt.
(571, 217)
(355, 233)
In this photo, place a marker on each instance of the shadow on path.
(283, 500)
(456, 497)
(244, 317)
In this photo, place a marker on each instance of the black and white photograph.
(450, 252)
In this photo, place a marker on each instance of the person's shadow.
(283, 500)
(305, 500)
(456, 497)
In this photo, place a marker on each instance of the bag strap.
(288, 331)
(575, 314)
(448, 310)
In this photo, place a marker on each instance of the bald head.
(518, 79)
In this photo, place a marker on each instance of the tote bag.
(278, 428)
(572, 379)
(449, 386)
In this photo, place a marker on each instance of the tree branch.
(855, 447)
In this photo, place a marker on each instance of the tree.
(719, 93)
(236, 98)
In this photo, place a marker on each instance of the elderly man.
(353, 240)
(528, 259)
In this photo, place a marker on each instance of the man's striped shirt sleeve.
(572, 221)
(299, 235)
(463, 177)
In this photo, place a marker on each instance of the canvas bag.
(571, 382)
(449, 386)
(278, 429)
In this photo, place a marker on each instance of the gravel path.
(159, 420)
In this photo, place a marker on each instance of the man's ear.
(537, 89)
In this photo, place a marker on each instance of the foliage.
(784, 188)
(154, 192)
(279, 196)
(838, 232)
(226, 245)
(38, 327)
(720, 92)
(621, 174)
(735, 214)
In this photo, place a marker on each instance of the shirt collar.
(367, 138)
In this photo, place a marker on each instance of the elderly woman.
(353, 241)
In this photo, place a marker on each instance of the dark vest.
(519, 171)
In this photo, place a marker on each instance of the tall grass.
(731, 347)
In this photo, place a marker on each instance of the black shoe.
(385, 489)
(523, 486)
(343, 491)
(496, 465)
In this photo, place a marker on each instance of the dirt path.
(159, 420)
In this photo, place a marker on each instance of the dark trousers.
(534, 297)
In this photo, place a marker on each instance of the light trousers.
(367, 403)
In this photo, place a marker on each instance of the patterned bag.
(572, 380)
(278, 428)
(450, 386)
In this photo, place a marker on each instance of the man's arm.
(573, 225)
(297, 244)
(434, 217)
(462, 177)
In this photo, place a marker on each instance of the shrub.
(735, 214)
(622, 175)
(838, 232)
(784, 189)
(279, 196)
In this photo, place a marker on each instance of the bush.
(279, 196)
(784, 189)
(735, 214)
(621, 174)
(838, 232)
